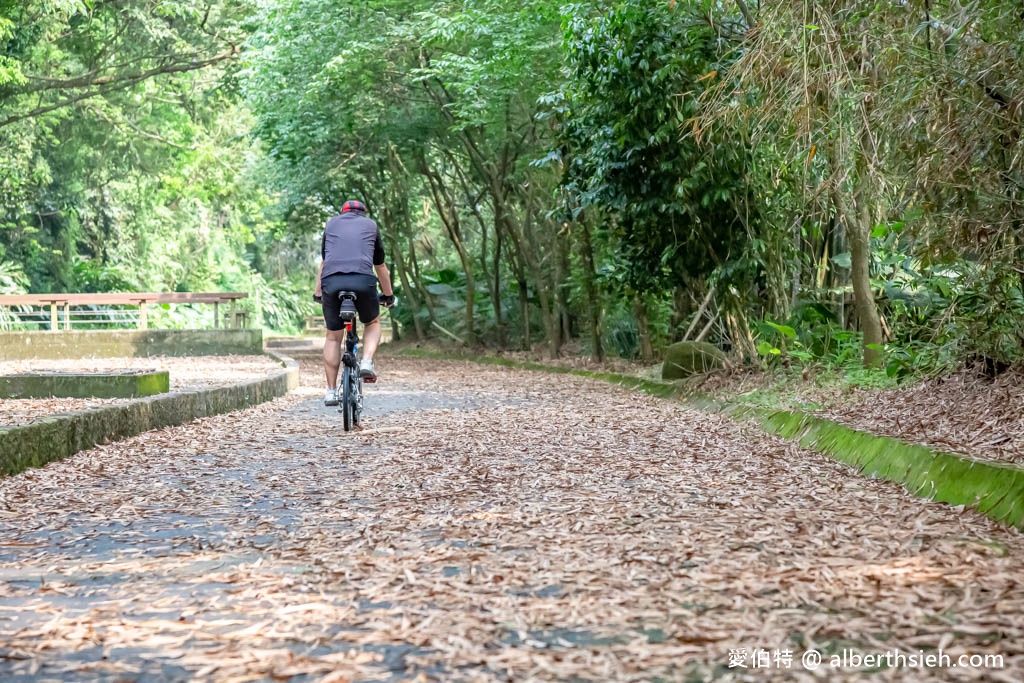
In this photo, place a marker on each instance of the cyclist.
(352, 252)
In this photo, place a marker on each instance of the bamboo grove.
(832, 181)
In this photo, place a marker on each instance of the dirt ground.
(488, 524)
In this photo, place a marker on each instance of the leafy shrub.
(621, 334)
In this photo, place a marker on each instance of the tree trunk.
(590, 285)
(545, 295)
(448, 211)
(682, 306)
(499, 322)
(526, 244)
(738, 327)
(410, 294)
(859, 236)
(643, 329)
(467, 265)
(562, 274)
(415, 272)
(794, 293)
(857, 222)
(524, 311)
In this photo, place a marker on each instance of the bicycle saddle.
(348, 306)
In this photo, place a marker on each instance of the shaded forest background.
(832, 182)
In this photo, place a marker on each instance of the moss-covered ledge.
(993, 489)
(60, 436)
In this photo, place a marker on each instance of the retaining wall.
(58, 437)
(129, 343)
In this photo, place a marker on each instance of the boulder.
(691, 358)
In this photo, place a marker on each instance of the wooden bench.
(139, 300)
(315, 324)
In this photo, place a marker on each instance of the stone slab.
(114, 384)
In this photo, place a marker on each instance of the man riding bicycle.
(352, 251)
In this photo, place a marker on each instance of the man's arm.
(319, 290)
(385, 279)
(382, 270)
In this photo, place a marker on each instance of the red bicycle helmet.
(354, 206)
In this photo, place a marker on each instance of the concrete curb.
(993, 489)
(58, 437)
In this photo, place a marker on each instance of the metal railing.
(129, 308)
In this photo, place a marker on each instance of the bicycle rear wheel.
(357, 399)
(348, 399)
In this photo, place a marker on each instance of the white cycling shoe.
(330, 398)
(366, 370)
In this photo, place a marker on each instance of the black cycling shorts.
(365, 288)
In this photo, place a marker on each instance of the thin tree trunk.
(528, 243)
(519, 273)
(562, 287)
(700, 312)
(682, 304)
(590, 285)
(644, 329)
(411, 294)
(738, 328)
(415, 272)
(499, 322)
(857, 221)
(524, 311)
(794, 294)
(491, 284)
(859, 236)
(548, 312)
(450, 219)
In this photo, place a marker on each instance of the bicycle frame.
(351, 357)
(350, 386)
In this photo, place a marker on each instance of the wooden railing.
(101, 303)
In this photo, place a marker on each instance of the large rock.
(691, 358)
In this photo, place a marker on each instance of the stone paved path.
(489, 524)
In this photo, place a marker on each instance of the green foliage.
(679, 207)
(12, 279)
(622, 335)
(536, 170)
(122, 171)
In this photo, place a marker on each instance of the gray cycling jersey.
(351, 244)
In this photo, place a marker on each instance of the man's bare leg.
(332, 356)
(371, 339)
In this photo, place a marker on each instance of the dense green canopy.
(786, 181)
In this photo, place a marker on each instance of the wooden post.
(53, 316)
(234, 317)
(67, 316)
(143, 320)
(216, 314)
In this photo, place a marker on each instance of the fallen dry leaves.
(961, 413)
(489, 524)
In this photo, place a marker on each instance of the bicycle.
(349, 389)
(350, 385)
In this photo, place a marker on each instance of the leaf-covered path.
(490, 524)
